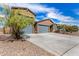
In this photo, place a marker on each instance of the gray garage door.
(42, 29)
(28, 30)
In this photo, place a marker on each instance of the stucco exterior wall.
(23, 12)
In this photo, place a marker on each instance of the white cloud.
(35, 7)
(2, 16)
(37, 19)
(70, 23)
(59, 16)
(63, 19)
(50, 12)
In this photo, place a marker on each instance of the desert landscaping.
(24, 31)
(35, 46)
(20, 48)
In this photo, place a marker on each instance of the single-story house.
(43, 26)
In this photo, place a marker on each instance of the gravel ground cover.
(20, 48)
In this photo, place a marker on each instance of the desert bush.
(68, 28)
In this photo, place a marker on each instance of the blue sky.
(66, 13)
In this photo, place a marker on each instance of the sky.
(60, 13)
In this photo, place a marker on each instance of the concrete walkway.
(73, 52)
(57, 44)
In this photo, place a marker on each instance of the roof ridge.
(14, 7)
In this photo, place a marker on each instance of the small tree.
(6, 12)
(75, 28)
(17, 22)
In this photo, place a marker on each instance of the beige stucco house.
(23, 11)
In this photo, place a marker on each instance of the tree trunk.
(16, 33)
(4, 30)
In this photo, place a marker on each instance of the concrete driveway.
(57, 44)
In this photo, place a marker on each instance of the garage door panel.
(42, 29)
